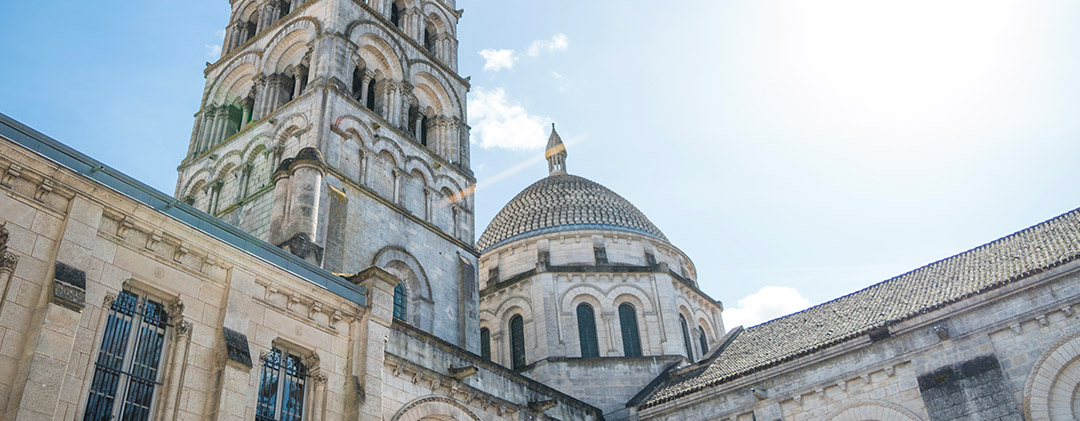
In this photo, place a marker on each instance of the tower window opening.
(485, 343)
(704, 341)
(587, 331)
(629, 327)
(686, 338)
(399, 301)
(358, 82)
(395, 14)
(370, 102)
(423, 130)
(429, 38)
(414, 119)
(517, 343)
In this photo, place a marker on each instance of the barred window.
(126, 371)
(399, 301)
(281, 389)
(628, 322)
(485, 343)
(517, 343)
(586, 327)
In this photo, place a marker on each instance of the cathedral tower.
(335, 129)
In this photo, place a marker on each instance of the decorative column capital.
(183, 329)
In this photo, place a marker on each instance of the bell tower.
(335, 129)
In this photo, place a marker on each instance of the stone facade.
(1006, 354)
(329, 123)
(74, 243)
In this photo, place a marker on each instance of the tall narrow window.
(423, 129)
(399, 301)
(631, 343)
(485, 343)
(586, 328)
(686, 338)
(370, 102)
(704, 341)
(281, 389)
(517, 343)
(128, 360)
(395, 15)
(429, 38)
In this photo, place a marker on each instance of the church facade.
(318, 260)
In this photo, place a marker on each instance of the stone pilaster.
(374, 331)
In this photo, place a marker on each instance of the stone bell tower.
(335, 129)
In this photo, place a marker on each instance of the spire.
(555, 153)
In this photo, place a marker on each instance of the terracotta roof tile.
(1017, 256)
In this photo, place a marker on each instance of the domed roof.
(564, 202)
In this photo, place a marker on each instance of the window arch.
(686, 338)
(628, 323)
(704, 341)
(485, 343)
(517, 342)
(395, 14)
(586, 327)
(399, 301)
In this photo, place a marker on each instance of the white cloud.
(213, 51)
(496, 60)
(558, 42)
(766, 304)
(557, 75)
(499, 123)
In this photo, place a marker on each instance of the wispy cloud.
(558, 42)
(498, 122)
(496, 60)
(766, 304)
(213, 50)
(557, 75)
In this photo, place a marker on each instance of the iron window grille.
(281, 388)
(129, 360)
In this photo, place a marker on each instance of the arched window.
(395, 14)
(429, 38)
(704, 341)
(370, 103)
(686, 338)
(399, 301)
(631, 343)
(586, 328)
(485, 343)
(423, 129)
(517, 343)
(357, 82)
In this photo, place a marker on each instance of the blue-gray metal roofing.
(122, 183)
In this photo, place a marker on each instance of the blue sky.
(796, 151)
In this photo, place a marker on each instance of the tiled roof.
(1017, 256)
(563, 200)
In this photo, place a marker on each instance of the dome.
(564, 202)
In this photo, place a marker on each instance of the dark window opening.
(686, 338)
(395, 15)
(370, 103)
(399, 301)
(517, 343)
(628, 323)
(485, 343)
(704, 341)
(586, 322)
(429, 38)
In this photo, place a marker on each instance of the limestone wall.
(1006, 354)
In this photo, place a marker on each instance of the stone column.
(609, 323)
(429, 202)
(182, 339)
(8, 260)
(373, 334)
(318, 399)
(398, 174)
(259, 86)
(221, 123)
(280, 202)
(306, 175)
(497, 351)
